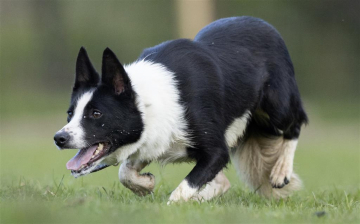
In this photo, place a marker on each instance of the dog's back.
(239, 64)
(252, 54)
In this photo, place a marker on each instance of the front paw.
(145, 185)
(183, 192)
(142, 185)
(150, 183)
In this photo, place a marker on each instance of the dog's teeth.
(96, 152)
(100, 147)
(92, 157)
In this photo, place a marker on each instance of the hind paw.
(281, 173)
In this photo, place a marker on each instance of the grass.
(36, 187)
(32, 203)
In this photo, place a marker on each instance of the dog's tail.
(254, 159)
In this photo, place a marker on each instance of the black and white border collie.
(230, 91)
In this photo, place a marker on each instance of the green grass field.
(37, 188)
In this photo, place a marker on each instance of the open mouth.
(86, 158)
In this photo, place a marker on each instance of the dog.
(231, 91)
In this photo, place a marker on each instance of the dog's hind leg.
(130, 177)
(218, 186)
(266, 165)
(282, 171)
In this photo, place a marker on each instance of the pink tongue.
(81, 158)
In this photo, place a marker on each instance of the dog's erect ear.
(85, 75)
(113, 73)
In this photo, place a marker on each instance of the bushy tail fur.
(254, 159)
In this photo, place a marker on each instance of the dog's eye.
(96, 114)
(70, 114)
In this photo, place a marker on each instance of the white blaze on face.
(74, 127)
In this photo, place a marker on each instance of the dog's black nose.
(61, 138)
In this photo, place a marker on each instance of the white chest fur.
(163, 116)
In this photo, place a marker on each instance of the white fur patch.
(182, 193)
(175, 154)
(236, 129)
(218, 186)
(163, 116)
(74, 127)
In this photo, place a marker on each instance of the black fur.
(233, 65)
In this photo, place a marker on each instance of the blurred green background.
(39, 42)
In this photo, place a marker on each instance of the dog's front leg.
(130, 177)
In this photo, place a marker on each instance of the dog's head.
(103, 115)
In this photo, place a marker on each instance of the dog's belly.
(176, 153)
